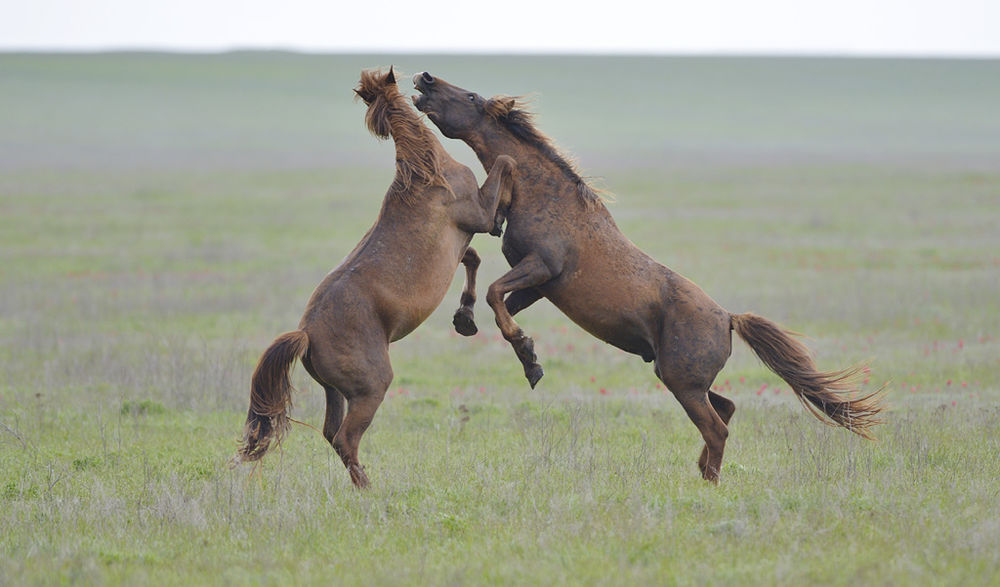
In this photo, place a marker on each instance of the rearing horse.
(386, 287)
(563, 244)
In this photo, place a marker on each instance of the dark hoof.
(534, 374)
(464, 323)
(498, 219)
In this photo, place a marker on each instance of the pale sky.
(838, 27)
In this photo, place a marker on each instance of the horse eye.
(472, 97)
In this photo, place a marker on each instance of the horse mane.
(390, 114)
(510, 111)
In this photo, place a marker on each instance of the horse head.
(456, 111)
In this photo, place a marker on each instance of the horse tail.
(271, 395)
(832, 397)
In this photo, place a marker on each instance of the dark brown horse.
(389, 284)
(562, 244)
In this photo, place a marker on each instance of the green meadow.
(164, 217)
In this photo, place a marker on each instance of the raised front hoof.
(464, 322)
(358, 476)
(534, 373)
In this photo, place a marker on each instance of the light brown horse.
(386, 287)
(563, 244)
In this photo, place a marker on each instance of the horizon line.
(499, 52)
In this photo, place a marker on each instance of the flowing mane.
(512, 114)
(390, 114)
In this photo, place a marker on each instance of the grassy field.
(163, 217)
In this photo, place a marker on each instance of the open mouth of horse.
(421, 82)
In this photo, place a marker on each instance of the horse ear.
(390, 78)
(365, 94)
(500, 106)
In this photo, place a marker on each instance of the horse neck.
(489, 143)
(415, 145)
(408, 134)
(532, 159)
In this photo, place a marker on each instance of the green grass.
(163, 217)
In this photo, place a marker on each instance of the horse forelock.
(511, 113)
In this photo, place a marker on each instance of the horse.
(562, 244)
(386, 287)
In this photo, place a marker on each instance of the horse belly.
(622, 323)
(418, 289)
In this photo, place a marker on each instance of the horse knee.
(494, 296)
(471, 258)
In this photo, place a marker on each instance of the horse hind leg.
(364, 393)
(464, 320)
(725, 408)
(360, 413)
(361, 375)
(688, 369)
(713, 430)
(334, 413)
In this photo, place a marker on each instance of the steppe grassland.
(164, 217)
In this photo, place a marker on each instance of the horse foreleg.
(497, 191)
(521, 299)
(485, 211)
(530, 272)
(464, 320)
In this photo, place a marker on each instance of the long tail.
(831, 394)
(271, 395)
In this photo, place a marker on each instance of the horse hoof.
(464, 323)
(710, 474)
(358, 476)
(534, 373)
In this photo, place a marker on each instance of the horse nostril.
(428, 78)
